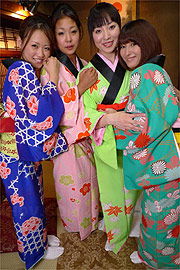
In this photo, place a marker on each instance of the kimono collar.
(64, 59)
(109, 63)
(158, 60)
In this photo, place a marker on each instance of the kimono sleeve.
(32, 106)
(151, 92)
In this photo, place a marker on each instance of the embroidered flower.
(16, 199)
(130, 146)
(94, 87)
(167, 251)
(114, 210)
(159, 208)
(32, 104)
(20, 246)
(172, 174)
(10, 107)
(46, 124)
(85, 223)
(176, 258)
(135, 80)
(31, 224)
(14, 76)
(142, 140)
(174, 195)
(165, 98)
(4, 171)
(66, 180)
(172, 217)
(173, 233)
(102, 91)
(110, 236)
(173, 184)
(148, 255)
(87, 123)
(82, 135)
(128, 210)
(131, 107)
(158, 167)
(158, 78)
(85, 189)
(141, 154)
(70, 95)
(50, 144)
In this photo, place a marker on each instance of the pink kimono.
(74, 171)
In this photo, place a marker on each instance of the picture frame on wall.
(127, 9)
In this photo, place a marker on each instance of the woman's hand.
(87, 78)
(52, 67)
(122, 120)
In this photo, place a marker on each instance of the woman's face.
(106, 38)
(37, 50)
(131, 54)
(67, 35)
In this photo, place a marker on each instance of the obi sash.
(64, 59)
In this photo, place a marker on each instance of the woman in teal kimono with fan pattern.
(151, 158)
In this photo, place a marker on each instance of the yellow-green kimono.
(117, 202)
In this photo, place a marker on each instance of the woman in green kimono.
(153, 153)
(112, 87)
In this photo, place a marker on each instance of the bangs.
(101, 19)
(128, 36)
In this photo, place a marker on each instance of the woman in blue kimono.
(151, 158)
(32, 135)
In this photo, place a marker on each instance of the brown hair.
(144, 35)
(33, 23)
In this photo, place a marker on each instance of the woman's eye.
(74, 31)
(97, 31)
(122, 46)
(47, 48)
(34, 45)
(133, 44)
(112, 26)
(60, 33)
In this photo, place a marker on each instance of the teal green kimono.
(117, 202)
(151, 162)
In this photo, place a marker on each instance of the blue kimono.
(36, 112)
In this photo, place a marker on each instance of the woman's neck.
(110, 56)
(73, 59)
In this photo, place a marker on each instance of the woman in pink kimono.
(74, 172)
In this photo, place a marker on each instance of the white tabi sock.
(53, 253)
(101, 225)
(53, 241)
(135, 258)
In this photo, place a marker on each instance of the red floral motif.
(93, 219)
(174, 163)
(33, 104)
(174, 233)
(176, 258)
(46, 124)
(173, 98)
(72, 200)
(172, 184)
(16, 199)
(144, 184)
(10, 107)
(82, 135)
(50, 144)
(85, 189)
(161, 225)
(114, 210)
(4, 171)
(70, 95)
(31, 224)
(20, 246)
(128, 209)
(110, 236)
(14, 76)
(94, 87)
(142, 140)
(148, 158)
(144, 221)
(44, 235)
(87, 123)
(149, 222)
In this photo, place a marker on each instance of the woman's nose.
(68, 37)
